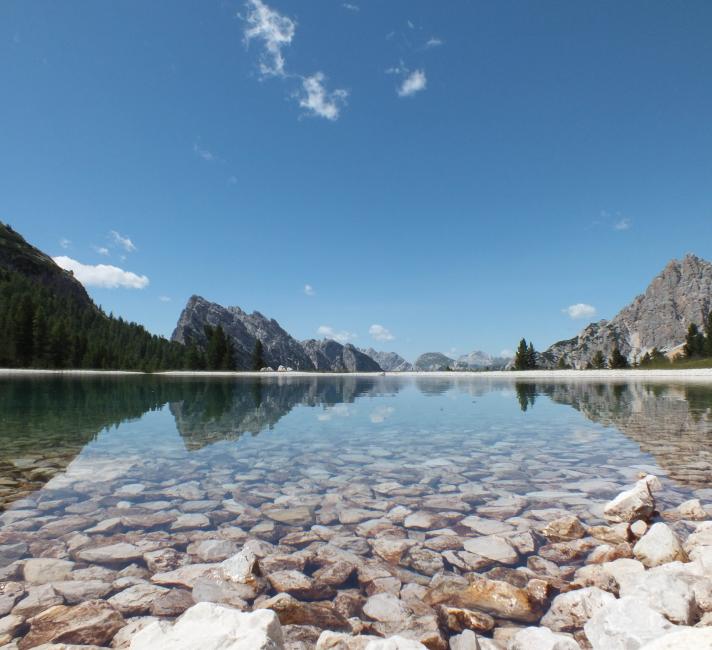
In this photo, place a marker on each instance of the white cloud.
(339, 410)
(320, 102)
(434, 41)
(122, 241)
(580, 310)
(380, 333)
(381, 413)
(164, 298)
(309, 290)
(274, 30)
(204, 153)
(102, 250)
(623, 224)
(413, 83)
(351, 7)
(102, 275)
(65, 243)
(329, 332)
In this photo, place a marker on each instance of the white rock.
(639, 528)
(669, 592)
(541, 638)
(624, 570)
(659, 546)
(625, 624)
(686, 639)
(241, 566)
(41, 570)
(465, 641)
(692, 509)
(636, 503)
(570, 611)
(395, 643)
(386, 607)
(212, 627)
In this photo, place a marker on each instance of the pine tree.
(694, 342)
(531, 357)
(598, 361)
(708, 336)
(521, 356)
(617, 360)
(258, 361)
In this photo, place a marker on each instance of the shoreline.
(694, 374)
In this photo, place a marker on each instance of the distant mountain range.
(659, 318)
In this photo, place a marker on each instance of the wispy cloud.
(341, 336)
(102, 275)
(320, 102)
(623, 224)
(123, 242)
(434, 41)
(309, 290)
(274, 31)
(580, 310)
(65, 243)
(380, 333)
(413, 83)
(164, 298)
(102, 250)
(351, 7)
(203, 153)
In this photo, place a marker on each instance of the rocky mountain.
(330, 356)
(389, 361)
(679, 296)
(18, 256)
(431, 361)
(478, 360)
(279, 348)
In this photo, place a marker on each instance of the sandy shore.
(697, 374)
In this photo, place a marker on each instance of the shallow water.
(217, 456)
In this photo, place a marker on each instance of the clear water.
(315, 435)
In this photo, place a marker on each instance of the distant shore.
(685, 374)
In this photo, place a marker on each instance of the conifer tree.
(694, 342)
(521, 356)
(258, 361)
(531, 357)
(617, 360)
(708, 336)
(598, 361)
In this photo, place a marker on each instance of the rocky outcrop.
(243, 329)
(328, 355)
(433, 361)
(659, 318)
(389, 361)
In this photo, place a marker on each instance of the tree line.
(40, 328)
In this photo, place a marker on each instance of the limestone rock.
(659, 546)
(563, 529)
(41, 570)
(686, 639)
(571, 610)
(541, 638)
(92, 623)
(212, 627)
(457, 619)
(137, 599)
(636, 503)
(625, 623)
(692, 509)
(121, 553)
(492, 547)
(466, 640)
(295, 612)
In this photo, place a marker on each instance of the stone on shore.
(685, 639)
(636, 503)
(541, 638)
(212, 627)
(624, 624)
(658, 546)
(571, 610)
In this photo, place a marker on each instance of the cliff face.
(389, 361)
(279, 348)
(331, 356)
(679, 296)
(433, 361)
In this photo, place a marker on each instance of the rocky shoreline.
(371, 575)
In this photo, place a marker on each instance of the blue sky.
(457, 173)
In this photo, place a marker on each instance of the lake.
(294, 463)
